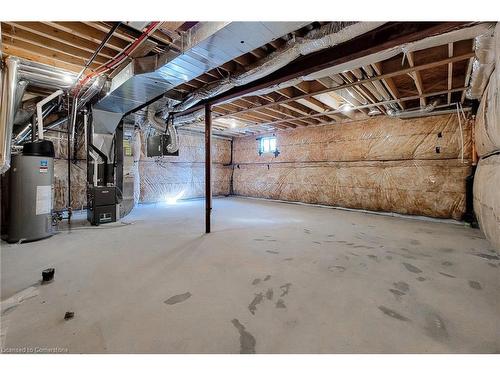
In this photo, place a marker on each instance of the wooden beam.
(45, 52)
(387, 36)
(70, 39)
(48, 43)
(389, 84)
(89, 33)
(374, 105)
(29, 55)
(416, 78)
(263, 117)
(450, 71)
(390, 35)
(467, 77)
(371, 79)
(279, 110)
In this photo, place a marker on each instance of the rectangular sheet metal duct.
(205, 46)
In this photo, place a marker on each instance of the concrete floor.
(271, 278)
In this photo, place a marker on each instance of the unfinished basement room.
(253, 187)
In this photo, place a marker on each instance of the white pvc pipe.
(96, 170)
(39, 114)
(85, 121)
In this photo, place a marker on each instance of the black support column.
(208, 166)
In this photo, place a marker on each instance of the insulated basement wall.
(183, 176)
(78, 172)
(380, 164)
(487, 198)
(487, 131)
(487, 177)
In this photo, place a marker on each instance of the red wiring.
(118, 59)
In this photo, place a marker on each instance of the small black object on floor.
(69, 315)
(48, 275)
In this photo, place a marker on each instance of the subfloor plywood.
(271, 278)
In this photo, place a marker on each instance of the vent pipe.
(7, 110)
(414, 113)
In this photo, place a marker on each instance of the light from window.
(267, 144)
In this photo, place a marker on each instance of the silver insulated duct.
(205, 46)
(7, 110)
(16, 76)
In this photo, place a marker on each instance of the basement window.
(267, 145)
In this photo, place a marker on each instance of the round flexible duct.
(326, 36)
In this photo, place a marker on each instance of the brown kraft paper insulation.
(78, 172)
(433, 188)
(380, 164)
(487, 131)
(487, 198)
(380, 138)
(183, 176)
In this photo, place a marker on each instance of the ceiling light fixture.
(346, 108)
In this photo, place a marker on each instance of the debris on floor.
(177, 298)
(48, 275)
(69, 315)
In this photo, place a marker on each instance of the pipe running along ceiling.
(205, 46)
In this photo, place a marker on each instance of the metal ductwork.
(160, 127)
(28, 129)
(45, 76)
(205, 46)
(7, 110)
(326, 36)
(415, 112)
(16, 76)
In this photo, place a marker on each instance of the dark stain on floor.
(272, 252)
(393, 314)
(421, 278)
(397, 293)
(412, 268)
(247, 341)
(487, 256)
(408, 256)
(256, 300)
(446, 249)
(177, 298)
(269, 294)
(362, 247)
(255, 281)
(280, 304)
(446, 263)
(285, 289)
(475, 285)
(435, 327)
(447, 275)
(267, 277)
(339, 268)
(415, 242)
(402, 286)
